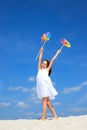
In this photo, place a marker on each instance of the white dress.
(44, 85)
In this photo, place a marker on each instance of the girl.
(45, 89)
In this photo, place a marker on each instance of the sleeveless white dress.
(44, 85)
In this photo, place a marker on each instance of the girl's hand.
(59, 51)
(41, 49)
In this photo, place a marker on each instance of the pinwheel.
(65, 43)
(45, 37)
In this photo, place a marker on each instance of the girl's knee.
(44, 99)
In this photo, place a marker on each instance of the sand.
(63, 123)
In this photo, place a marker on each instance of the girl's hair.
(48, 62)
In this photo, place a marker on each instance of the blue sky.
(22, 23)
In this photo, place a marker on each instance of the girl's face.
(44, 64)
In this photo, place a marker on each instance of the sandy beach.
(63, 123)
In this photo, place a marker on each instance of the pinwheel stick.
(61, 48)
(45, 37)
(39, 51)
(43, 44)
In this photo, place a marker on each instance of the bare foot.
(55, 118)
(42, 119)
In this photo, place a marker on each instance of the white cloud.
(33, 89)
(82, 99)
(74, 89)
(30, 114)
(15, 88)
(21, 104)
(56, 103)
(78, 109)
(23, 89)
(5, 104)
(31, 79)
(84, 83)
(34, 99)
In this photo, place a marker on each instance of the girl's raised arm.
(53, 59)
(40, 58)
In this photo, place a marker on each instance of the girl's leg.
(51, 109)
(44, 107)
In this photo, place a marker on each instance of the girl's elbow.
(53, 60)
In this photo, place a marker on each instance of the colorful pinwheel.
(65, 43)
(45, 37)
